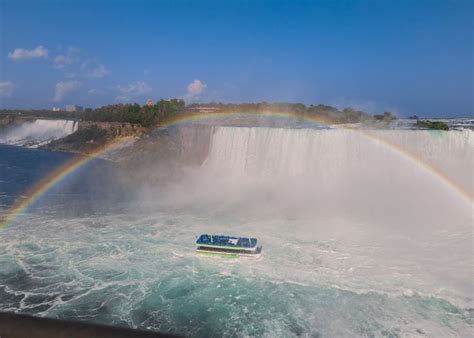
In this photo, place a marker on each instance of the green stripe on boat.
(216, 253)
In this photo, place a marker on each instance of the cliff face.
(162, 155)
(189, 145)
(114, 129)
(90, 135)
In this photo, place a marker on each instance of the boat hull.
(227, 254)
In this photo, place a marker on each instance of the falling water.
(38, 132)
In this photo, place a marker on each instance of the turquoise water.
(116, 271)
(115, 264)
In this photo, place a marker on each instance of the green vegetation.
(386, 117)
(323, 112)
(155, 114)
(38, 114)
(146, 116)
(438, 125)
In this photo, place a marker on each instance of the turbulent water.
(38, 132)
(361, 237)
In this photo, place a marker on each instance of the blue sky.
(410, 57)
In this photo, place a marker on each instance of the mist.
(388, 210)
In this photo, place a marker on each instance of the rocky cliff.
(90, 135)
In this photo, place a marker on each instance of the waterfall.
(333, 156)
(391, 177)
(38, 132)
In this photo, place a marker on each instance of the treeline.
(39, 114)
(154, 114)
(166, 109)
(439, 125)
(146, 116)
(320, 111)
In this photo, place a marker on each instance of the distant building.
(149, 102)
(74, 108)
(56, 109)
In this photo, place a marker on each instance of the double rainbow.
(63, 171)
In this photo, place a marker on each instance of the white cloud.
(136, 89)
(94, 91)
(91, 69)
(61, 60)
(26, 54)
(194, 90)
(6, 88)
(71, 57)
(196, 87)
(62, 88)
(99, 72)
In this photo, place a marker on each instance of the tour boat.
(228, 246)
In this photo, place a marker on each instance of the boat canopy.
(226, 241)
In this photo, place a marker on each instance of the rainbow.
(427, 167)
(63, 171)
(53, 178)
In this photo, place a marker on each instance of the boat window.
(225, 250)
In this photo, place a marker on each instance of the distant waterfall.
(38, 132)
